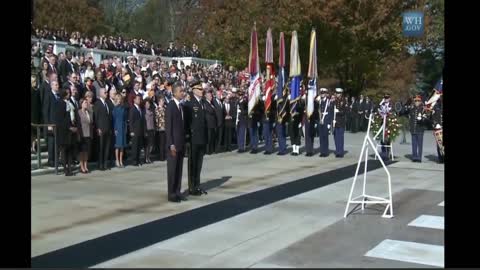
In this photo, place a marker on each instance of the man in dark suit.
(52, 65)
(196, 130)
(242, 119)
(70, 80)
(49, 112)
(45, 88)
(75, 101)
(175, 137)
(230, 112)
(137, 129)
(66, 67)
(103, 121)
(211, 118)
(111, 105)
(218, 104)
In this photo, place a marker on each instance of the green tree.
(73, 15)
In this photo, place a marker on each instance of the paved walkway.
(305, 230)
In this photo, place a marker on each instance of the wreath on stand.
(392, 126)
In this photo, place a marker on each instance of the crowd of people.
(119, 44)
(113, 112)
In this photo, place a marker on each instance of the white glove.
(315, 125)
(300, 125)
(275, 97)
(336, 110)
(419, 118)
(328, 126)
(437, 126)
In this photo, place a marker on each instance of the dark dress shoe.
(176, 200)
(202, 191)
(194, 192)
(240, 151)
(323, 155)
(267, 153)
(309, 154)
(281, 153)
(254, 151)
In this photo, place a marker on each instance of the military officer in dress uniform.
(295, 126)
(268, 119)
(417, 117)
(196, 133)
(269, 115)
(242, 116)
(325, 113)
(171, 50)
(253, 122)
(339, 121)
(437, 117)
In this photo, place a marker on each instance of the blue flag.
(439, 86)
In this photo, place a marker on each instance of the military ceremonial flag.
(282, 92)
(270, 74)
(254, 70)
(438, 91)
(312, 73)
(295, 73)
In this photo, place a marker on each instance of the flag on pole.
(439, 86)
(270, 78)
(254, 70)
(282, 91)
(295, 73)
(312, 73)
(438, 91)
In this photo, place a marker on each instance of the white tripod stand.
(364, 198)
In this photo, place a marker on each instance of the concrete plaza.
(304, 230)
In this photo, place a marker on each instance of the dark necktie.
(106, 107)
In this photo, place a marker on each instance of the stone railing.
(98, 55)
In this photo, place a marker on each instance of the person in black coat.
(354, 109)
(48, 109)
(219, 113)
(211, 123)
(65, 121)
(230, 112)
(36, 110)
(103, 121)
(196, 131)
(137, 129)
(175, 142)
(66, 67)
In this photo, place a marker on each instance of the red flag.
(270, 79)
